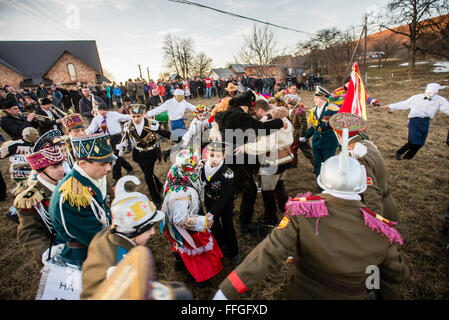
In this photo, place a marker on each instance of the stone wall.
(9, 77)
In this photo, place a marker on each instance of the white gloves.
(302, 139)
(121, 147)
(55, 251)
(219, 295)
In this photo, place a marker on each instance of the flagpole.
(364, 53)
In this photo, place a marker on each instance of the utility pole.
(148, 72)
(364, 51)
(140, 71)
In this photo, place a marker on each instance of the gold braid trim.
(77, 194)
(28, 198)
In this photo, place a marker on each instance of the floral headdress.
(200, 109)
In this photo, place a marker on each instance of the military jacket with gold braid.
(35, 230)
(78, 210)
(147, 140)
(323, 135)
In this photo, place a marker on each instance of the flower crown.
(200, 109)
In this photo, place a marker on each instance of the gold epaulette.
(28, 198)
(333, 107)
(75, 193)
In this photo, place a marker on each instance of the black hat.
(45, 101)
(217, 146)
(9, 103)
(103, 106)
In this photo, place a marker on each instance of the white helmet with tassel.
(342, 173)
(132, 212)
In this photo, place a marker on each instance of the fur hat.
(246, 98)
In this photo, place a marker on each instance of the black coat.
(235, 119)
(218, 192)
(42, 92)
(14, 126)
(85, 106)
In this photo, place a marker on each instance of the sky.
(131, 32)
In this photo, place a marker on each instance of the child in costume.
(217, 179)
(198, 126)
(185, 226)
(133, 219)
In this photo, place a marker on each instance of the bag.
(59, 282)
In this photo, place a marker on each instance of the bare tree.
(201, 65)
(259, 47)
(169, 48)
(411, 13)
(385, 48)
(436, 43)
(178, 54)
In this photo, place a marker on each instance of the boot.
(281, 195)
(269, 201)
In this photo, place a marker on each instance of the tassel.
(381, 225)
(310, 207)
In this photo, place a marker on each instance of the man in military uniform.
(142, 133)
(324, 141)
(35, 230)
(78, 206)
(334, 239)
(377, 196)
(297, 116)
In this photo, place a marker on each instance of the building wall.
(9, 77)
(59, 73)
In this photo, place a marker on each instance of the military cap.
(217, 146)
(137, 108)
(48, 139)
(96, 147)
(321, 92)
(73, 121)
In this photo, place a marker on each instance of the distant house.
(222, 73)
(28, 63)
(239, 69)
(175, 76)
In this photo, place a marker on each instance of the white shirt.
(139, 127)
(319, 110)
(113, 121)
(174, 109)
(422, 108)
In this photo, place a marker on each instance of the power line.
(238, 15)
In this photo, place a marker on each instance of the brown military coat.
(297, 117)
(330, 265)
(32, 232)
(101, 255)
(377, 196)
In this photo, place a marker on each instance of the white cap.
(433, 88)
(179, 92)
(132, 212)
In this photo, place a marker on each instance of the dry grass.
(419, 186)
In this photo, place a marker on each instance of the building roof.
(240, 68)
(223, 73)
(34, 58)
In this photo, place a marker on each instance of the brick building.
(25, 64)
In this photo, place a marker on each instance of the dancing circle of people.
(69, 214)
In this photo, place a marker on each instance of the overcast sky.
(130, 32)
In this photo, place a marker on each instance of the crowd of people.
(65, 141)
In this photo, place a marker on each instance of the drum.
(162, 117)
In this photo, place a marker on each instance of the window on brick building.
(72, 71)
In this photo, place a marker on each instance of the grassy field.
(420, 187)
